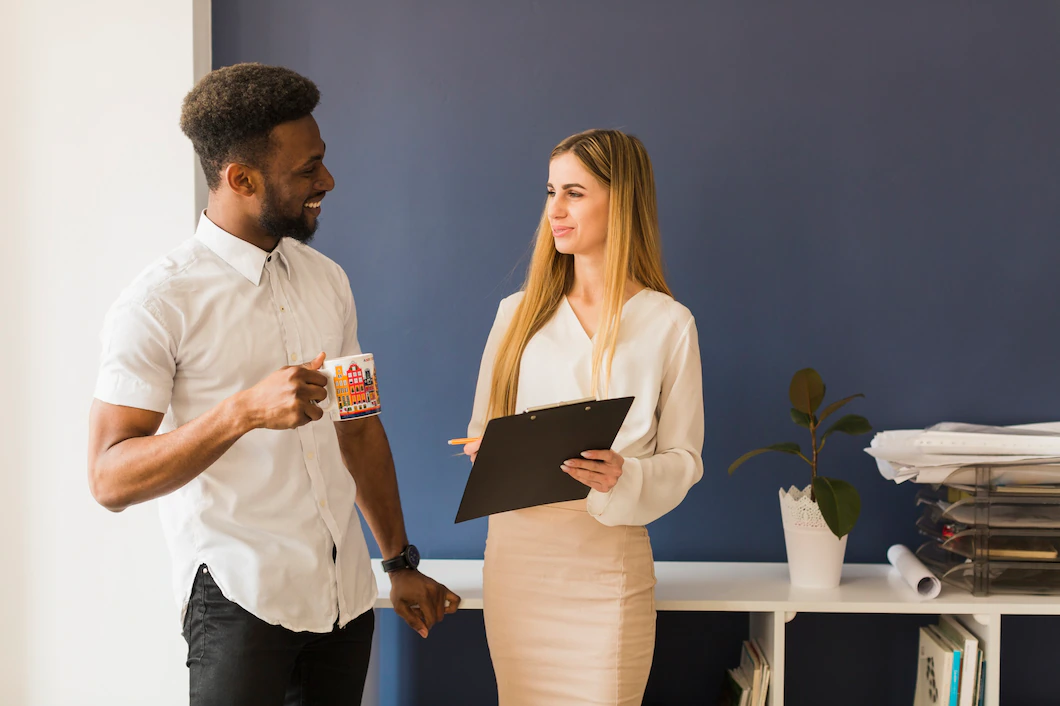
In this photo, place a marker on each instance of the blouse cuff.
(618, 505)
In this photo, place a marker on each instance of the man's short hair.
(231, 111)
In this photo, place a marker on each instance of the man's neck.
(238, 223)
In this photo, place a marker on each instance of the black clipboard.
(518, 463)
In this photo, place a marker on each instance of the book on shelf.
(950, 648)
(736, 690)
(980, 684)
(938, 669)
(955, 671)
(755, 666)
(971, 658)
(748, 683)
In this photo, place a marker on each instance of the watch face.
(413, 556)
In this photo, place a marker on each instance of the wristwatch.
(409, 558)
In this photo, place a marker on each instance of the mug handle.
(328, 404)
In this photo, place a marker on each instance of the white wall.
(13, 361)
(100, 181)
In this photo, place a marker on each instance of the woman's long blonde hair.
(633, 251)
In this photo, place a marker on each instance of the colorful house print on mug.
(353, 387)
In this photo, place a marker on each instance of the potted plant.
(818, 518)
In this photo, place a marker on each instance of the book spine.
(955, 678)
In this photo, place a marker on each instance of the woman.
(569, 587)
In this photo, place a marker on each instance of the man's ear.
(242, 179)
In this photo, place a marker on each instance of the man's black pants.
(236, 659)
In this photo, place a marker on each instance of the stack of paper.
(1028, 454)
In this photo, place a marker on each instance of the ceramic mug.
(353, 387)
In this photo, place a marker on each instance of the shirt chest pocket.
(332, 344)
(325, 334)
(321, 316)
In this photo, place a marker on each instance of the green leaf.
(836, 405)
(803, 420)
(852, 424)
(786, 448)
(806, 391)
(839, 502)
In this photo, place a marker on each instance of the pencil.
(461, 442)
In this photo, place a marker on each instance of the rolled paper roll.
(913, 571)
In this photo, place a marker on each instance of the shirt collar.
(246, 259)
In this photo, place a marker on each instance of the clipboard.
(518, 463)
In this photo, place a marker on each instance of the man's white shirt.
(212, 318)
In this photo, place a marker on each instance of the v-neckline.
(578, 322)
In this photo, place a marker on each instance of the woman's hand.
(472, 449)
(599, 470)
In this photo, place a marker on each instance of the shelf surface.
(760, 587)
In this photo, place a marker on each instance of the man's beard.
(279, 225)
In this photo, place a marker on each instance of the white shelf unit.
(763, 591)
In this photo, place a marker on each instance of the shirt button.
(282, 309)
(309, 456)
(293, 357)
(323, 503)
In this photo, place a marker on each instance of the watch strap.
(401, 561)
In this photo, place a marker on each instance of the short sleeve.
(350, 344)
(138, 360)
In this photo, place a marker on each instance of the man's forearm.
(144, 467)
(366, 453)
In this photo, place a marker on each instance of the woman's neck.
(590, 281)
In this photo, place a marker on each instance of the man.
(207, 399)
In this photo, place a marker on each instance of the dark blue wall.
(867, 188)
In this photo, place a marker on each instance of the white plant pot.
(815, 555)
